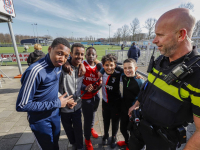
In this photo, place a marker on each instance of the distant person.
(36, 55)
(92, 44)
(38, 95)
(133, 52)
(122, 47)
(26, 48)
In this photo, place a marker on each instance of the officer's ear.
(182, 34)
(136, 68)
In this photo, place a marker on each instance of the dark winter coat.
(35, 56)
(134, 52)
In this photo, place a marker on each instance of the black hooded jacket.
(35, 56)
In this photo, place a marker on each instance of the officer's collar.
(183, 58)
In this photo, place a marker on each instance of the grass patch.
(100, 51)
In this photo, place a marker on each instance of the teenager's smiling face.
(77, 55)
(109, 67)
(58, 54)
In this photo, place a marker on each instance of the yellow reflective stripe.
(170, 89)
(151, 77)
(195, 100)
(156, 71)
(189, 86)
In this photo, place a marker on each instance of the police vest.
(165, 105)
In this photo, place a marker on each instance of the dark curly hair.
(76, 45)
(109, 57)
(58, 41)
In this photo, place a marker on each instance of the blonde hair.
(37, 47)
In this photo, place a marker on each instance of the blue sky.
(80, 18)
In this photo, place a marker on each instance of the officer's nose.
(155, 40)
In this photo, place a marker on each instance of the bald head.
(177, 19)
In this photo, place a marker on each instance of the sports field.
(100, 50)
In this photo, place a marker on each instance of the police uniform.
(164, 108)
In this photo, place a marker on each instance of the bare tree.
(125, 32)
(118, 35)
(7, 38)
(196, 31)
(150, 26)
(135, 27)
(2, 38)
(188, 5)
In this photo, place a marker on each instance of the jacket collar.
(70, 62)
(48, 61)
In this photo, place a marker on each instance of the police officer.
(170, 98)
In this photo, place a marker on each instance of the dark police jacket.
(171, 105)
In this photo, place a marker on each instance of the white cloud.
(89, 17)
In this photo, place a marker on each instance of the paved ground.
(15, 133)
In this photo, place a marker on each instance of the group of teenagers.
(52, 87)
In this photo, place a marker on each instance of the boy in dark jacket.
(111, 103)
(131, 89)
(111, 96)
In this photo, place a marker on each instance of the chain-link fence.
(143, 60)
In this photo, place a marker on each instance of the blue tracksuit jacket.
(39, 92)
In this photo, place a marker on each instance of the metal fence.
(143, 60)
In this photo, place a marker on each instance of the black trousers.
(111, 112)
(141, 136)
(124, 121)
(89, 107)
(73, 127)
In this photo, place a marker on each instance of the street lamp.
(109, 32)
(48, 33)
(33, 31)
(72, 36)
(37, 33)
